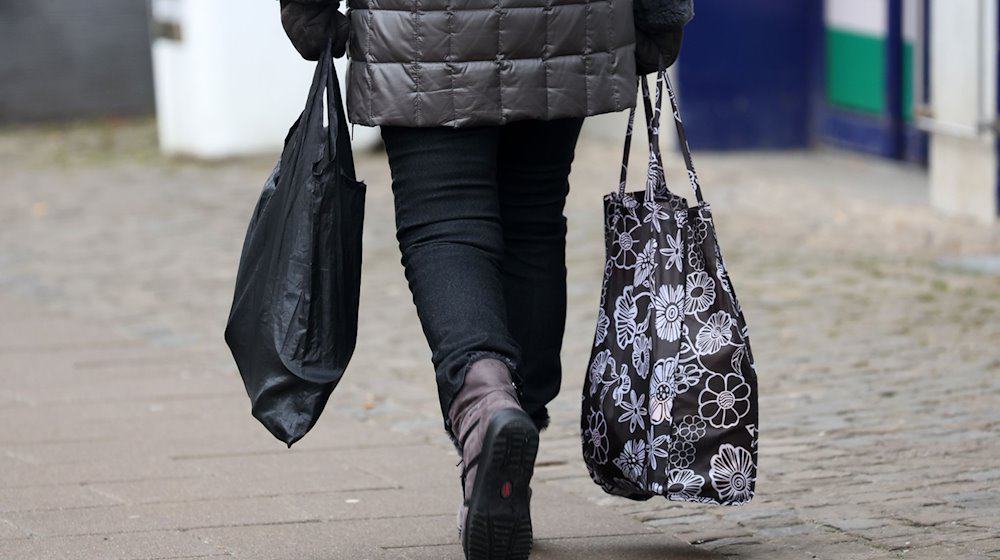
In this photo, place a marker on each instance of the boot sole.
(498, 525)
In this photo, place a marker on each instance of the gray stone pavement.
(126, 433)
(114, 448)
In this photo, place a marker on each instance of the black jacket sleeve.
(659, 16)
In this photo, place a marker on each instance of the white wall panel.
(862, 16)
(232, 84)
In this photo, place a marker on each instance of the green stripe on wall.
(855, 71)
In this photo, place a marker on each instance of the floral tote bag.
(670, 399)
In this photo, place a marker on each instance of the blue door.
(749, 72)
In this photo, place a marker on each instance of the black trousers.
(480, 224)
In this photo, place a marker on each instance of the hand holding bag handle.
(652, 113)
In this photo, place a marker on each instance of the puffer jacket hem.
(361, 118)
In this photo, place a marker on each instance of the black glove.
(659, 28)
(310, 24)
(651, 50)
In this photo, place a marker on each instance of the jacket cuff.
(658, 16)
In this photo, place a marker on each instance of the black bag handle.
(335, 107)
(338, 137)
(655, 170)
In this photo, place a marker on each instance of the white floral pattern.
(624, 382)
(724, 400)
(658, 448)
(626, 312)
(682, 454)
(691, 428)
(645, 262)
(696, 260)
(661, 391)
(667, 301)
(635, 412)
(640, 355)
(596, 436)
(656, 214)
(687, 376)
(732, 473)
(700, 292)
(673, 253)
(716, 333)
(670, 398)
(632, 460)
(700, 231)
(625, 244)
(598, 366)
(602, 327)
(684, 483)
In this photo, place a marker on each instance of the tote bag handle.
(652, 114)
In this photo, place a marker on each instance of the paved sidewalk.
(127, 435)
(121, 450)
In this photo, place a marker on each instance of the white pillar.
(228, 82)
(963, 98)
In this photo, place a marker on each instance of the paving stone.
(161, 545)
(371, 504)
(125, 470)
(302, 541)
(633, 547)
(42, 498)
(10, 531)
(162, 516)
(247, 481)
(123, 386)
(37, 330)
(411, 467)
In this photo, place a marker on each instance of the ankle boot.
(498, 444)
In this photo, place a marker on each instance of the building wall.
(869, 78)
(856, 54)
(66, 59)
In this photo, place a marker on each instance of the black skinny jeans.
(479, 219)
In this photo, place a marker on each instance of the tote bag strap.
(652, 116)
(628, 148)
(682, 140)
(652, 113)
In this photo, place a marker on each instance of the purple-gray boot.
(499, 443)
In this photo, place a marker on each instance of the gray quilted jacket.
(485, 62)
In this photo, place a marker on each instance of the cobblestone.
(879, 362)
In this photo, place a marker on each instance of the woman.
(480, 104)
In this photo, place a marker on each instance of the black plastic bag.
(294, 320)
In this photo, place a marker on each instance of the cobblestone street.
(876, 339)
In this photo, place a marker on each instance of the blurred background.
(849, 149)
(905, 80)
